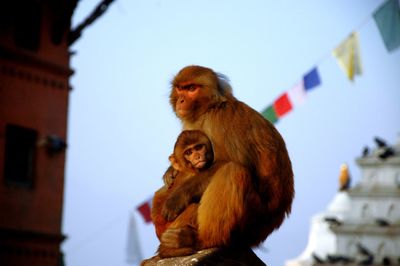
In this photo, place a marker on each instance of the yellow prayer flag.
(348, 56)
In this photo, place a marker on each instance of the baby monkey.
(191, 161)
(192, 154)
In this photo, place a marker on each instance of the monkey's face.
(197, 155)
(192, 151)
(186, 98)
(194, 90)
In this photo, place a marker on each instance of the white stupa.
(361, 226)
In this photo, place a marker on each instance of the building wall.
(34, 89)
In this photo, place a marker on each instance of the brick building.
(34, 90)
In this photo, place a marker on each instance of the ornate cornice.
(26, 75)
(29, 60)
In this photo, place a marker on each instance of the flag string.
(347, 54)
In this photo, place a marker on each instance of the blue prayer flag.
(311, 79)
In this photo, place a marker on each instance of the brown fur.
(180, 175)
(186, 139)
(251, 191)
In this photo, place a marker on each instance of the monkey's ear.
(174, 162)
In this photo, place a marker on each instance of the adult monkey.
(251, 193)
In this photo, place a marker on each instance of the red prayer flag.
(282, 105)
(145, 211)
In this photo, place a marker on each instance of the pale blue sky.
(122, 129)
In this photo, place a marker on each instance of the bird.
(344, 177)
(386, 153)
(365, 151)
(317, 258)
(369, 258)
(380, 142)
(382, 222)
(363, 250)
(333, 220)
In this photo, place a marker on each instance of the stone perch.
(212, 256)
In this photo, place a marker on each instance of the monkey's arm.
(190, 191)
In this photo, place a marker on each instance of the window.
(19, 155)
(27, 25)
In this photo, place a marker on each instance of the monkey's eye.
(188, 152)
(198, 147)
(191, 87)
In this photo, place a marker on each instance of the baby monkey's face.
(196, 154)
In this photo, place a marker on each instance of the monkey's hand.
(169, 176)
(190, 191)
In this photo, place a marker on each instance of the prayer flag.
(270, 114)
(145, 210)
(282, 105)
(297, 94)
(311, 79)
(348, 56)
(387, 18)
